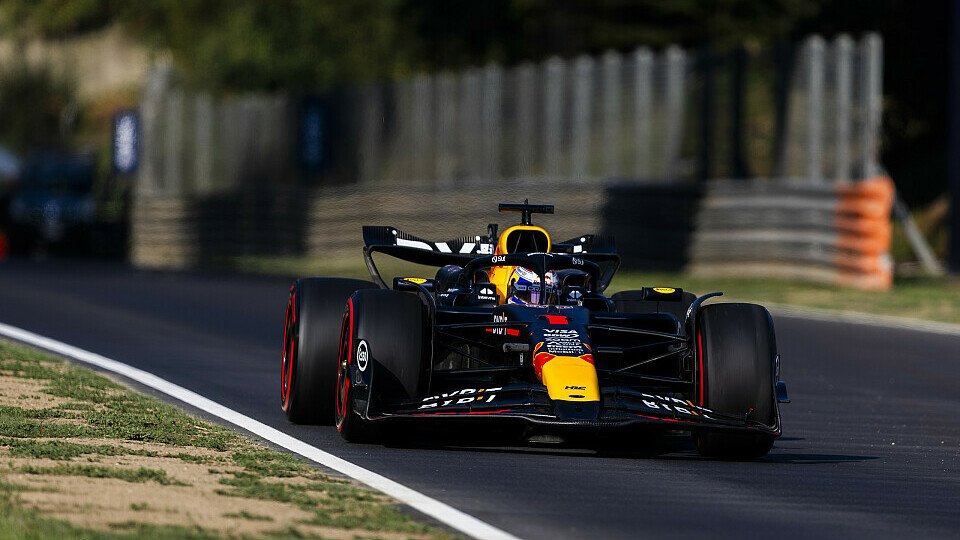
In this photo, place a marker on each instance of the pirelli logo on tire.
(363, 355)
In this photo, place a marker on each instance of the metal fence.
(812, 112)
(833, 122)
(579, 120)
(665, 116)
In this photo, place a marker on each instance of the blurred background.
(792, 141)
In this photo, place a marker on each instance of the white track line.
(444, 513)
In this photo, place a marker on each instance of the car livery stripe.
(556, 319)
(438, 510)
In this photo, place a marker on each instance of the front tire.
(311, 339)
(383, 347)
(736, 348)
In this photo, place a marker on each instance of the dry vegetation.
(83, 457)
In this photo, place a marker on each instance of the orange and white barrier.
(864, 233)
(836, 232)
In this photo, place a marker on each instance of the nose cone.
(570, 378)
(572, 384)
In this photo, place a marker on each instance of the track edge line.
(429, 506)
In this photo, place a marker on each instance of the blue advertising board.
(313, 135)
(126, 141)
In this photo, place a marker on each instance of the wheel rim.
(288, 357)
(343, 362)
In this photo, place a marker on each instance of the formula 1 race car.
(514, 327)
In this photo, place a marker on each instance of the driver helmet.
(525, 287)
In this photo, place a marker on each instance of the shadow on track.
(673, 446)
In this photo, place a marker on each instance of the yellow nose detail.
(569, 378)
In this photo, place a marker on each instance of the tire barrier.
(830, 232)
(183, 232)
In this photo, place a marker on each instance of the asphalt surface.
(871, 444)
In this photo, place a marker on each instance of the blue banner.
(312, 135)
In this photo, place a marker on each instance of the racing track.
(871, 442)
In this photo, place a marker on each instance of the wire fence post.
(446, 129)
(173, 144)
(815, 48)
(203, 119)
(580, 128)
(421, 128)
(612, 97)
(643, 111)
(526, 120)
(843, 64)
(871, 55)
(553, 71)
(149, 180)
(674, 92)
(371, 134)
(470, 126)
(491, 119)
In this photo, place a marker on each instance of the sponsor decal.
(463, 396)
(575, 295)
(675, 405)
(498, 259)
(498, 331)
(571, 387)
(443, 247)
(664, 290)
(417, 280)
(363, 355)
(563, 342)
(578, 262)
(487, 291)
(542, 357)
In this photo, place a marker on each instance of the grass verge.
(84, 457)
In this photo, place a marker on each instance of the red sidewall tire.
(311, 346)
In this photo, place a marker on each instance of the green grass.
(332, 504)
(918, 298)
(97, 408)
(139, 475)
(935, 299)
(64, 450)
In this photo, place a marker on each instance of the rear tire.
(382, 352)
(311, 340)
(736, 348)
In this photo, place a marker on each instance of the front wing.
(622, 408)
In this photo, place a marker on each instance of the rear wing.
(407, 247)
(388, 240)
